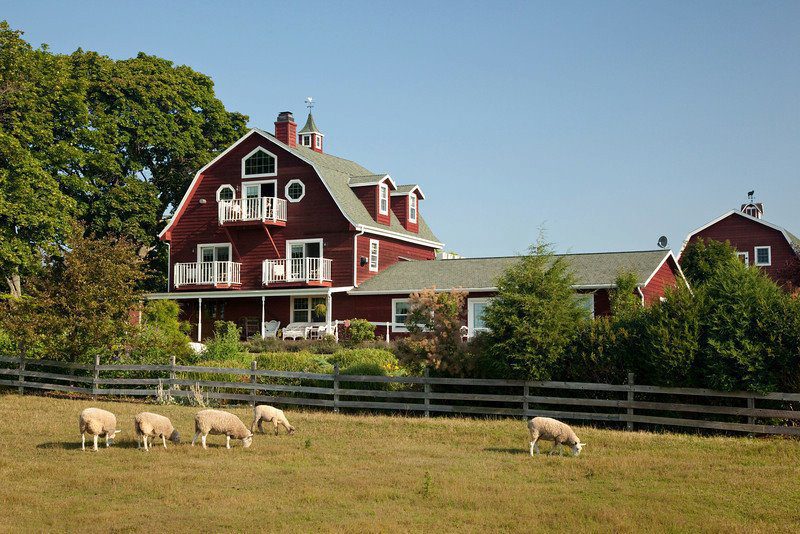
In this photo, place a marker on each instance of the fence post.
(95, 376)
(629, 424)
(751, 404)
(171, 376)
(336, 388)
(427, 387)
(20, 376)
(253, 378)
(526, 391)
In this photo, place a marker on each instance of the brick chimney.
(286, 128)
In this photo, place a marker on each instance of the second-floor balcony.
(310, 271)
(223, 274)
(258, 210)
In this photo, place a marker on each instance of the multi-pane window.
(412, 208)
(373, 255)
(304, 310)
(384, 199)
(317, 141)
(764, 256)
(259, 164)
(225, 192)
(400, 310)
(295, 190)
(306, 140)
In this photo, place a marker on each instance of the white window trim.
(769, 253)
(263, 175)
(226, 186)
(201, 245)
(381, 188)
(746, 256)
(305, 140)
(310, 299)
(288, 185)
(377, 245)
(412, 199)
(317, 141)
(399, 327)
(290, 242)
(471, 314)
(579, 296)
(245, 185)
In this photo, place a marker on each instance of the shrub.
(304, 362)
(264, 344)
(358, 331)
(6, 344)
(225, 344)
(161, 335)
(349, 357)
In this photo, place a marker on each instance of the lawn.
(377, 473)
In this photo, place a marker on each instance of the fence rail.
(627, 404)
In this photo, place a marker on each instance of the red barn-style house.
(757, 242)
(274, 233)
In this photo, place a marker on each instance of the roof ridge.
(563, 254)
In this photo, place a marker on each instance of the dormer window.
(305, 140)
(383, 199)
(317, 141)
(412, 208)
(259, 163)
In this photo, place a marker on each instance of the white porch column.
(200, 319)
(263, 311)
(328, 308)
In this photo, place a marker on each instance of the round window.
(295, 190)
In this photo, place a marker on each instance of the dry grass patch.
(359, 473)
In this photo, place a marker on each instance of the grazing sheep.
(218, 422)
(559, 433)
(97, 422)
(270, 414)
(156, 426)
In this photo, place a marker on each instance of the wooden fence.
(624, 404)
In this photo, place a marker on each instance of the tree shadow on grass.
(505, 450)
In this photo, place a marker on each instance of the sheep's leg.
(260, 426)
(164, 440)
(227, 442)
(83, 441)
(107, 443)
(275, 424)
(197, 435)
(95, 442)
(204, 440)
(535, 446)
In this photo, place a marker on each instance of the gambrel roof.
(591, 271)
(335, 174)
(792, 239)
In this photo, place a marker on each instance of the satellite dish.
(663, 241)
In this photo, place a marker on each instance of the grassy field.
(355, 473)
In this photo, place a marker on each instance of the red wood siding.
(390, 251)
(745, 234)
(400, 209)
(666, 276)
(315, 216)
(602, 303)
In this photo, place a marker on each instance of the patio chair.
(271, 328)
(295, 331)
(317, 331)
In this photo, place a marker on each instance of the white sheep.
(271, 414)
(97, 422)
(152, 425)
(553, 430)
(218, 422)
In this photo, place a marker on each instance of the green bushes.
(359, 331)
(161, 335)
(304, 362)
(225, 344)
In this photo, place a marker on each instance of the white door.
(305, 262)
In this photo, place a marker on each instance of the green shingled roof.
(366, 180)
(590, 270)
(337, 173)
(311, 126)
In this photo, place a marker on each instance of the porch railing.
(265, 209)
(297, 270)
(208, 273)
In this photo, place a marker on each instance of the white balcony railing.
(208, 273)
(264, 209)
(296, 270)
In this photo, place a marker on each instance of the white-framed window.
(400, 310)
(208, 252)
(383, 199)
(317, 141)
(261, 188)
(412, 207)
(763, 256)
(475, 318)
(586, 301)
(295, 190)
(374, 255)
(744, 257)
(259, 163)
(305, 140)
(226, 192)
(303, 309)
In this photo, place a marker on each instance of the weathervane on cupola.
(310, 136)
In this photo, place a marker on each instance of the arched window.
(225, 192)
(259, 163)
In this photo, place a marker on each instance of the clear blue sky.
(608, 123)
